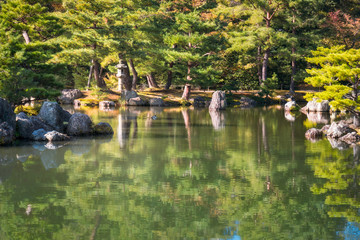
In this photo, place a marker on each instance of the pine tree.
(339, 74)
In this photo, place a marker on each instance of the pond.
(188, 174)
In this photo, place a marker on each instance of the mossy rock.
(29, 110)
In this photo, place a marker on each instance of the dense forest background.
(48, 45)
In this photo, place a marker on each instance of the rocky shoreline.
(52, 124)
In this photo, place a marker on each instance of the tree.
(339, 74)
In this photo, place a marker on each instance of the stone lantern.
(121, 74)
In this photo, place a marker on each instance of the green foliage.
(338, 72)
(29, 110)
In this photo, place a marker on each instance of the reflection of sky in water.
(232, 232)
(351, 232)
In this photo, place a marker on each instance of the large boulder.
(130, 94)
(7, 113)
(55, 136)
(157, 102)
(79, 125)
(291, 106)
(103, 128)
(137, 101)
(52, 114)
(38, 123)
(315, 106)
(69, 95)
(24, 126)
(218, 101)
(7, 135)
(337, 130)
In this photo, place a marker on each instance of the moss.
(29, 110)
(89, 101)
(295, 108)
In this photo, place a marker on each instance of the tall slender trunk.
(259, 64)
(151, 81)
(134, 73)
(169, 76)
(187, 88)
(293, 60)
(99, 80)
(267, 51)
(89, 78)
(26, 37)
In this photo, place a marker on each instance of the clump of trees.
(253, 44)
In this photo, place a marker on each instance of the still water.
(237, 174)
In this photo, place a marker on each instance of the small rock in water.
(313, 134)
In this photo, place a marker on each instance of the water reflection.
(217, 119)
(319, 117)
(178, 177)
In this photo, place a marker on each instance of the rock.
(7, 135)
(7, 113)
(247, 102)
(24, 126)
(52, 114)
(137, 101)
(103, 129)
(106, 104)
(200, 102)
(313, 134)
(69, 95)
(218, 101)
(315, 106)
(79, 125)
(350, 138)
(55, 136)
(337, 130)
(291, 106)
(130, 94)
(77, 103)
(157, 102)
(325, 128)
(38, 135)
(39, 124)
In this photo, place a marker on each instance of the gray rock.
(313, 134)
(77, 103)
(157, 102)
(69, 95)
(52, 114)
(39, 135)
(130, 94)
(7, 135)
(336, 143)
(218, 101)
(55, 136)
(103, 128)
(200, 102)
(350, 138)
(7, 113)
(337, 130)
(325, 128)
(24, 126)
(291, 106)
(39, 124)
(315, 106)
(79, 125)
(137, 101)
(247, 102)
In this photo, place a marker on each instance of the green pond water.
(237, 174)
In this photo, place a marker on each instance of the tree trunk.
(99, 81)
(293, 61)
(259, 64)
(169, 77)
(134, 73)
(151, 81)
(187, 87)
(267, 51)
(90, 75)
(126, 80)
(26, 37)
